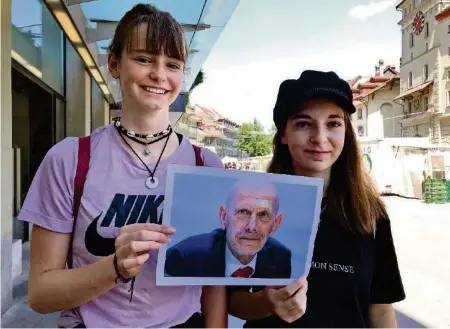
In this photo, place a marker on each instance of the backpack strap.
(198, 158)
(84, 154)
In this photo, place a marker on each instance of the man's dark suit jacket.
(203, 255)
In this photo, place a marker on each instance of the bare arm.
(53, 288)
(214, 307)
(289, 302)
(250, 306)
(382, 316)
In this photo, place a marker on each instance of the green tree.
(254, 140)
(199, 79)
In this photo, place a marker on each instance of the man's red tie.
(244, 272)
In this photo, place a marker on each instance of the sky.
(267, 41)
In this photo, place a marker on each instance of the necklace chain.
(151, 138)
(157, 162)
(321, 212)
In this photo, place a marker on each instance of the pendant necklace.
(151, 182)
(321, 212)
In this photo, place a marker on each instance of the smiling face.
(148, 80)
(315, 137)
(249, 218)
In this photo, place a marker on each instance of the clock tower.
(425, 69)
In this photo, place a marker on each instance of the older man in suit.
(243, 246)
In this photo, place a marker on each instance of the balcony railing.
(429, 110)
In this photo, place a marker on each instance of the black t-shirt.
(348, 273)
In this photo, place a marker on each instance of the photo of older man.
(243, 246)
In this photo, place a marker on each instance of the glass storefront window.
(60, 120)
(37, 42)
(97, 106)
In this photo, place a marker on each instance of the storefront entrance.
(38, 123)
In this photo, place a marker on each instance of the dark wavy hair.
(351, 195)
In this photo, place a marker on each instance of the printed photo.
(238, 228)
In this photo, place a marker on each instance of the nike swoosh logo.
(96, 244)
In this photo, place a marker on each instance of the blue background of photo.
(197, 211)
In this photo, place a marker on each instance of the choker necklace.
(147, 151)
(133, 134)
(151, 182)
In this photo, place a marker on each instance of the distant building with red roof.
(207, 127)
(377, 115)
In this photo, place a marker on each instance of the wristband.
(119, 276)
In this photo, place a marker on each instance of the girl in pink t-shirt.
(118, 233)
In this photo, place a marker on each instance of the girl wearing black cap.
(354, 277)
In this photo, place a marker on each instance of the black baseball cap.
(311, 84)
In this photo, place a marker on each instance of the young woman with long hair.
(354, 276)
(110, 281)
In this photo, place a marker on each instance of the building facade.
(425, 69)
(377, 114)
(50, 89)
(206, 127)
(55, 83)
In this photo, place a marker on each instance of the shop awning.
(413, 90)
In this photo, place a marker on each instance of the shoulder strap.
(84, 154)
(198, 157)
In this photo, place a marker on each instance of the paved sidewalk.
(20, 315)
(422, 238)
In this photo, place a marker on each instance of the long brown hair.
(351, 195)
(164, 34)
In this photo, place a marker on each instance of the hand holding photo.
(240, 228)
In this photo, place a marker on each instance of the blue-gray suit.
(203, 255)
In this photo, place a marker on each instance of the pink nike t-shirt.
(114, 195)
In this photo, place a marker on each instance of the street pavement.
(422, 239)
(20, 315)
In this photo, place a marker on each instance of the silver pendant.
(147, 152)
(152, 183)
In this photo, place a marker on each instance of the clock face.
(419, 23)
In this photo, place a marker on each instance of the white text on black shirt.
(333, 267)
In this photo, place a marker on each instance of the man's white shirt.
(232, 263)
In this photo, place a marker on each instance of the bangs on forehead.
(156, 35)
